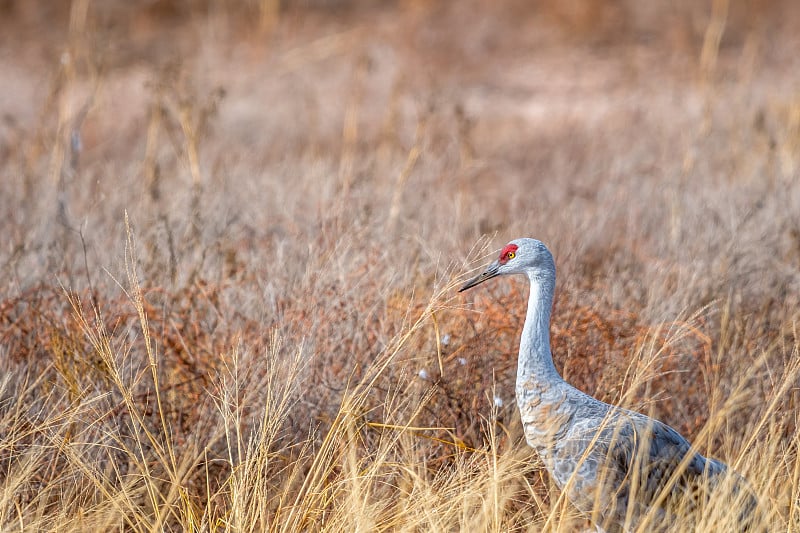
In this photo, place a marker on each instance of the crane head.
(520, 256)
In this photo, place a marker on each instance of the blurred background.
(501, 101)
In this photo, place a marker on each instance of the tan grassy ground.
(231, 232)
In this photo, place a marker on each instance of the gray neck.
(535, 364)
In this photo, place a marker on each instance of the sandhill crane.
(615, 465)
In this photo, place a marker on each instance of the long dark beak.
(490, 272)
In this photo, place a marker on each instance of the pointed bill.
(490, 272)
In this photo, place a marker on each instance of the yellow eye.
(511, 255)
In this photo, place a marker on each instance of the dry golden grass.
(231, 234)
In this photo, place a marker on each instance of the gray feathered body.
(617, 465)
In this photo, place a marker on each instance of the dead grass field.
(231, 234)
